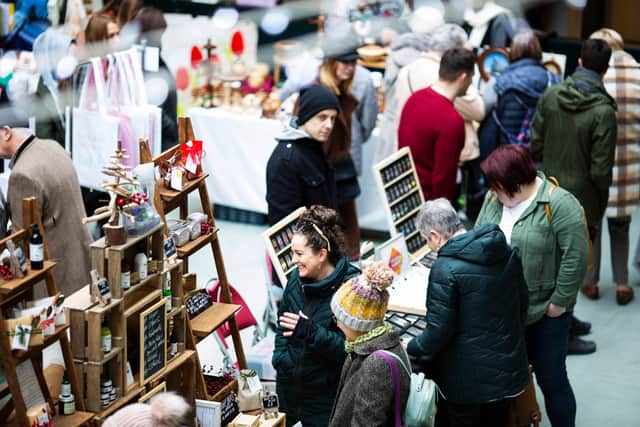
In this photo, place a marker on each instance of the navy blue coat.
(519, 87)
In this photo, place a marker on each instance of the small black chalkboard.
(229, 409)
(270, 401)
(153, 338)
(197, 303)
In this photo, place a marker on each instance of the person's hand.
(555, 310)
(289, 321)
(405, 342)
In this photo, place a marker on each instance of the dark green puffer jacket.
(309, 369)
(476, 312)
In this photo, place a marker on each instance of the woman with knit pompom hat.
(165, 410)
(366, 394)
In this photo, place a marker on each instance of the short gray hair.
(438, 215)
(447, 36)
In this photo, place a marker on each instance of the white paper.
(31, 392)
(151, 58)
(190, 165)
(176, 179)
(20, 341)
(410, 291)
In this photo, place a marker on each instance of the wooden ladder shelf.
(21, 289)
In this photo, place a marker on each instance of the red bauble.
(120, 201)
(182, 78)
(196, 56)
(237, 43)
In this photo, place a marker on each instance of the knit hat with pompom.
(165, 410)
(361, 303)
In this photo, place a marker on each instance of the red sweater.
(434, 132)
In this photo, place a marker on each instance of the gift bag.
(24, 332)
(249, 389)
(94, 132)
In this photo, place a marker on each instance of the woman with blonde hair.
(622, 82)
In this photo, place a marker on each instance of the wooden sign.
(397, 180)
(197, 303)
(160, 388)
(278, 239)
(153, 338)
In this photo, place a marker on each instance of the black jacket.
(476, 311)
(298, 175)
(309, 367)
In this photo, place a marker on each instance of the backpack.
(523, 137)
(420, 409)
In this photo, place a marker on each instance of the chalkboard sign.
(197, 303)
(229, 409)
(153, 338)
(170, 248)
(270, 401)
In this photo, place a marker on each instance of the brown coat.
(44, 170)
(366, 391)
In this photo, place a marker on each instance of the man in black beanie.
(297, 172)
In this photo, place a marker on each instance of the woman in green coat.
(309, 347)
(547, 225)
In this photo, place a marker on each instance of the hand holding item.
(289, 321)
(555, 310)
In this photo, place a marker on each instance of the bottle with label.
(106, 337)
(166, 289)
(173, 342)
(66, 400)
(140, 262)
(125, 275)
(36, 248)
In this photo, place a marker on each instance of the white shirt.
(511, 215)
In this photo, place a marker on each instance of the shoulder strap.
(547, 207)
(399, 359)
(409, 80)
(395, 377)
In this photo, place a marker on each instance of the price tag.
(21, 337)
(151, 58)
(176, 179)
(190, 165)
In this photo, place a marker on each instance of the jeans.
(547, 351)
(494, 414)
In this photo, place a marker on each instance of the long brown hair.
(328, 78)
(97, 28)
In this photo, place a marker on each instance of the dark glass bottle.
(36, 248)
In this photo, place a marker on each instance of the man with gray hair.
(476, 311)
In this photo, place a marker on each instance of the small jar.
(66, 404)
(125, 276)
(106, 338)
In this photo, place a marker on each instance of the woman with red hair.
(547, 225)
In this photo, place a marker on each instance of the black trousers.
(493, 414)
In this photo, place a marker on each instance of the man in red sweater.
(432, 128)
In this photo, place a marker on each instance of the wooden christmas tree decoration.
(119, 196)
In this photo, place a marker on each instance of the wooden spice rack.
(398, 183)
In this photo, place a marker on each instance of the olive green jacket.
(553, 245)
(573, 133)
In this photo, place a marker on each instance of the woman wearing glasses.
(309, 347)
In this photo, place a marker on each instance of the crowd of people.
(543, 160)
(546, 158)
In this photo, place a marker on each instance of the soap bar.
(244, 420)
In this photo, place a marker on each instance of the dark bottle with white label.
(36, 248)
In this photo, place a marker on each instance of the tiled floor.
(606, 384)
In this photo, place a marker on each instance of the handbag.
(420, 409)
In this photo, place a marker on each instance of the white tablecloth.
(237, 149)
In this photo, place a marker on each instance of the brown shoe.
(624, 294)
(590, 290)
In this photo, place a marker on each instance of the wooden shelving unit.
(12, 292)
(278, 240)
(167, 200)
(397, 181)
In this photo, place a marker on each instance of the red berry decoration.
(237, 43)
(120, 201)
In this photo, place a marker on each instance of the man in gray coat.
(42, 169)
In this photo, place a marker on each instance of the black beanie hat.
(314, 99)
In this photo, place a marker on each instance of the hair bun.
(377, 274)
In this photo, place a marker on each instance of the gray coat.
(363, 119)
(44, 170)
(366, 391)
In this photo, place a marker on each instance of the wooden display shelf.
(33, 276)
(194, 246)
(131, 241)
(404, 196)
(141, 298)
(210, 319)
(79, 418)
(21, 355)
(174, 312)
(407, 216)
(107, 357)
(179, 360)
(398, 178)
(169, 194)
(120, 402)
(144, 282)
